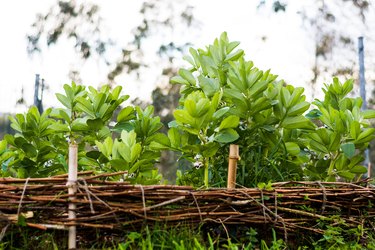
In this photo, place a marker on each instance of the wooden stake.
(234, 155)
(72, 190)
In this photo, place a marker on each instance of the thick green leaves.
(369, 114)
(126, 114)
(297, 122)
(209, 86)
(95, 124)
(64, 100)
(292, 148)
(348, 149)
(365, 136)
(58, 127)
(226, 136)
(358, 169)
(188, 76)
(231, 121)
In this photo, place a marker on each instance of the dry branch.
(102, 204)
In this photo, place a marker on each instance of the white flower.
(198, 164)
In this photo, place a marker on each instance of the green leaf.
(135, 152)
(231, 121)
(210, 149)
(231, 46)
(195, 56)
(123, 126)
(355, 129)
(99, 100)
(119, 164)
(285, 96)
(106, 149)
(103, 133)
(334, 141)
(183, 117)
(188, 76)
(79, 125)
(314, 114)
(69, 91)
(64, 115)
(58, 127)
(368, 114)
(209, 86)
(158, 138)
(203, 106)
(174, 137)
(124, 151)
(126, 114)
(29, 149)
(365, 136)
(219, 113)
(358, 169)
(226, 136)
(116, 92)
(298, 109)
(3, 146)
(191, 107)
(292, 148)
(95, 124)
(179, 80)
(346, 174)
(190, 60)
(297, 122)
(158, 146)
(64, 100)
(19, 141)
(93, 154)
(318, 147)
(85, 106)
(234, 56)
(128, 138)
(348, 149)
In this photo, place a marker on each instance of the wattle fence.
(289, 207)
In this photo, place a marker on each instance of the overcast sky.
(287, 49)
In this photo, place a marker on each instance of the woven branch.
(289, 206)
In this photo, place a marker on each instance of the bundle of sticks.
(102, 204)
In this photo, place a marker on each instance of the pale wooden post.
(72, 190)
(234, 155)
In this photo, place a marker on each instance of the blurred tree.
(330, 25)
(80, 22)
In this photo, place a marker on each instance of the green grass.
(186, 237)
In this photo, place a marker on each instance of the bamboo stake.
(232, 165)
(72, 190)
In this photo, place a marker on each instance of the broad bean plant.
(224, 99)
(40, 146)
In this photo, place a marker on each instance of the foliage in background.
(226, 99)
(40, 146)
(82, 23)
(323, 22)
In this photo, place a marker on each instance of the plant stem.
(206, 174)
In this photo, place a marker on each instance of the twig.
(23, 193)
(196, 202)
(143, 201)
